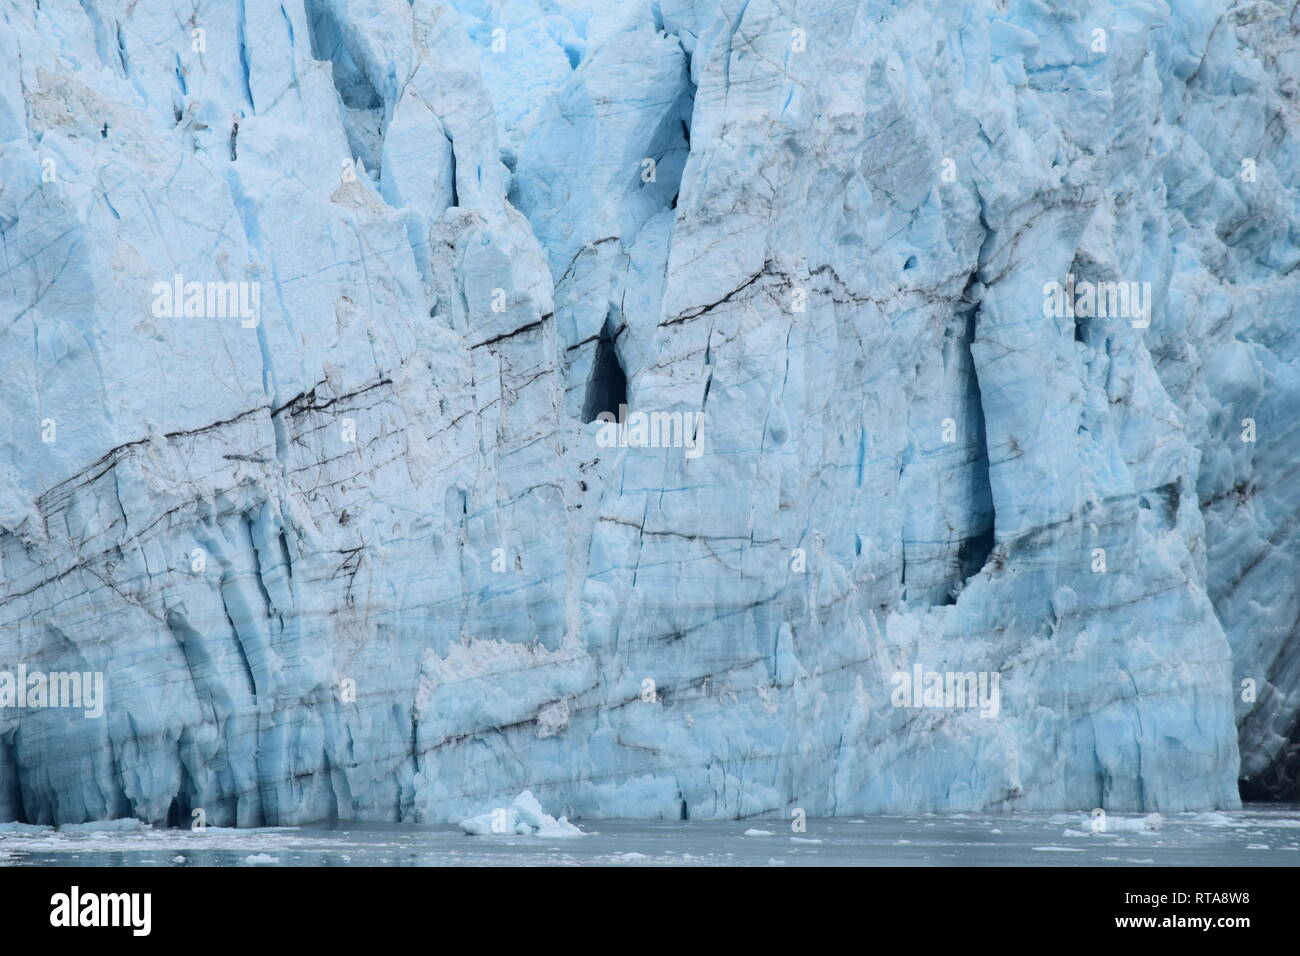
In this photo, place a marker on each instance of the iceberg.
(524, 817)
(969, 330)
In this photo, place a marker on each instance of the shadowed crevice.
(607, 386)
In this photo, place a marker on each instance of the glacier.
(359, 551)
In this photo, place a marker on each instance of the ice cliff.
(365, 550)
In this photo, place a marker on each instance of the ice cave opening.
(607, 385)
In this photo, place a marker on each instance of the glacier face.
(370, 556)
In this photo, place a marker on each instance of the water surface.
(1259, 835)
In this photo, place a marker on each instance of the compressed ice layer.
(362, 558)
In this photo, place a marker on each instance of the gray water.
(1259, 835)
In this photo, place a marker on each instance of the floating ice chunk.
(23, 828)
(758, 833)
(524, 817)
(123, 825)
(502, 820)
(1105, 823)
(256, 859)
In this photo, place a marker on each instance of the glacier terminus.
(671, 409)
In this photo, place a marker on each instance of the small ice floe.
(630, 857)
(524, 817)
(804, 840)
(257, 859)
(1151, 823)
(1256, 846)
(179, 859)
(123, 825)
(1100, 823)
(758, 833)
(1057, 849)
(1213, 819)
